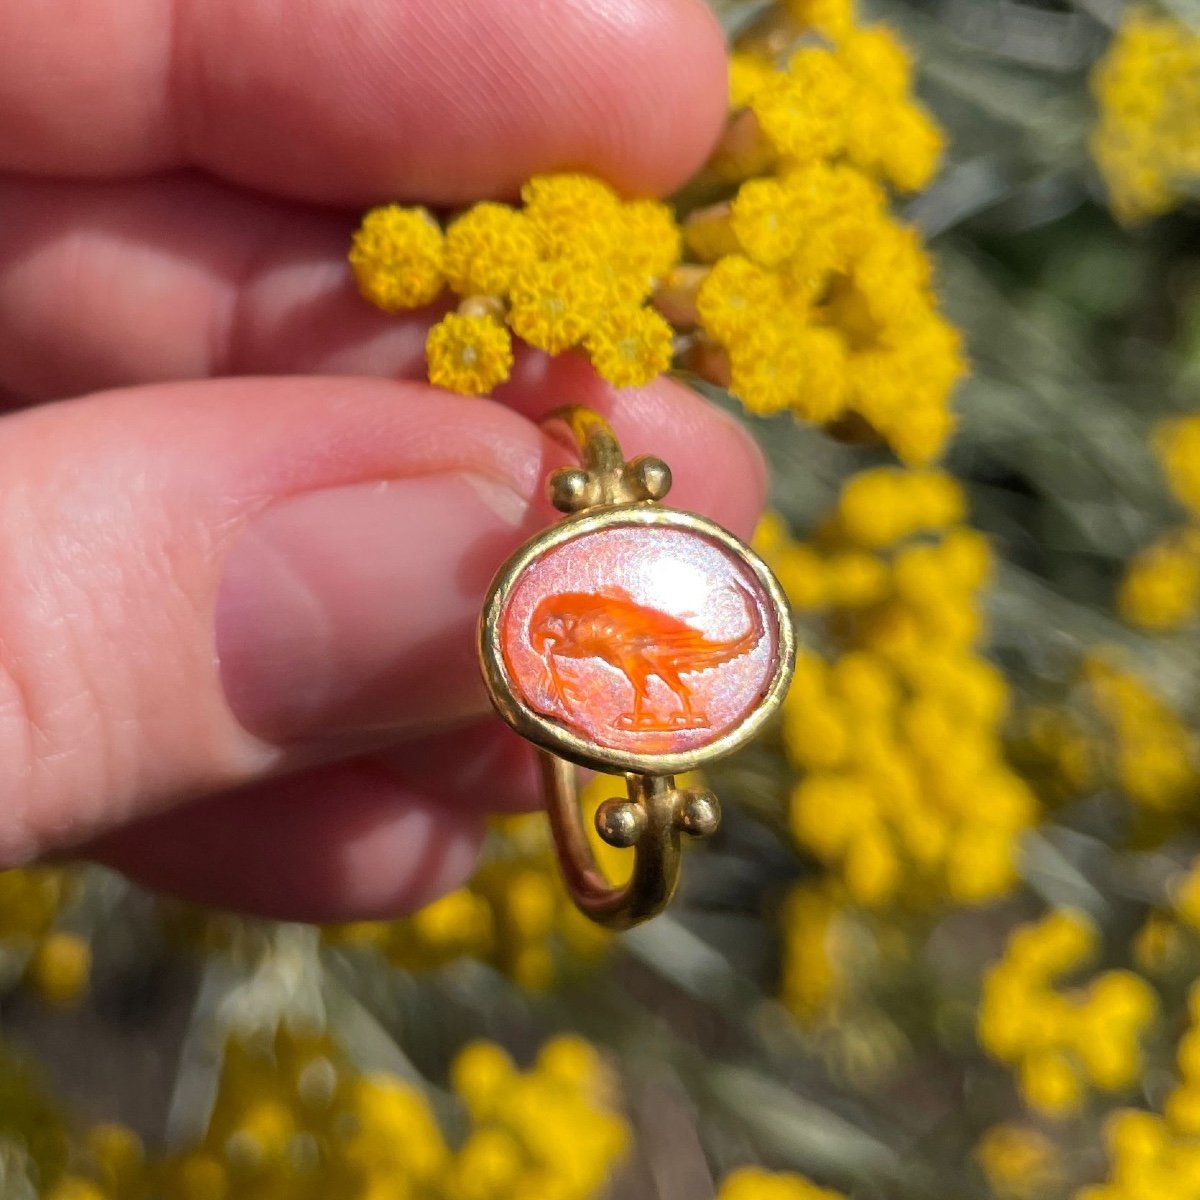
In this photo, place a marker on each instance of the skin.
(194, 398)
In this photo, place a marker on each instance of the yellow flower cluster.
(1020, 1163)
(1153, 1155)
(810, 980)
(1161, 588)
(1147, 141)
(293, 1120)
(571, 269)
(39, 1145)
(751, 1183)
(515, 913)
(904, 791)
(1151, 751)
(565, 1138)
(800, 292)
(56, 962)
(1177, 444)
(820, 301)
(1060, 1042)
(1148, 1159)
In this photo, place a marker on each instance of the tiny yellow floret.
(397, 256)
(630, 347)
(469, 354)
(61, 967)
(487, 248)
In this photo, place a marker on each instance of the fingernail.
(354, 609)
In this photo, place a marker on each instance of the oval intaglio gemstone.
(644, 639)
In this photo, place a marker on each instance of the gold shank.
(605, 489)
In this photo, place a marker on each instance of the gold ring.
(631, 638)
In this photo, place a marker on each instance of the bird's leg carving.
(687, 717)
(567, 695)
(641, 694)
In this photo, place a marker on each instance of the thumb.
(206, 584)
(197, 580)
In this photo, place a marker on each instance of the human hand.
(236, 614)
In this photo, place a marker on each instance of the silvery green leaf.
(801, 1132)
(1187, 11)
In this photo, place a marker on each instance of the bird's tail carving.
(703, 654)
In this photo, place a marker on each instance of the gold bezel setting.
(606, 493)
(553, 736)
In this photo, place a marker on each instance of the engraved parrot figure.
(638, 641)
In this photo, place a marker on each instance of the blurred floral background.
(946, 263)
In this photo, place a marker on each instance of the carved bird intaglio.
(643, 640)
(641, 643)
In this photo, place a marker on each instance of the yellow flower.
(1177, 444)
(397, 258)
(1147, 141)
(1049, 948)
(877, 59)
(811, 976)
(487, 1165)
(553, 307)
(752, 1183)
(630, 346)
(801, 112)
(817, 303)
(470, 354)
(570, 1062)
(736, 297)
(482, 1074)
(1062, 1042)
(981, 864)
(61, 967)
(1019, 1162)
(747, 74)
(910, 151)
(783, 366)
(872, 868)
(855, 580)
(458, 920)
(765, 373)
(1154, 751)
(487, 248)
(649, 243)
(1050, 1084)
(572, 214)
(1182, 1110)
(1135, 1135)
(1161, 588)
(764, 221)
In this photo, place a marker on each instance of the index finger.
(350, 101)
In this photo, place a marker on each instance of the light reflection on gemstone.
(645, 639)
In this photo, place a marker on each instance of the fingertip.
(359, 100)
(664, 93)
(445, 103)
